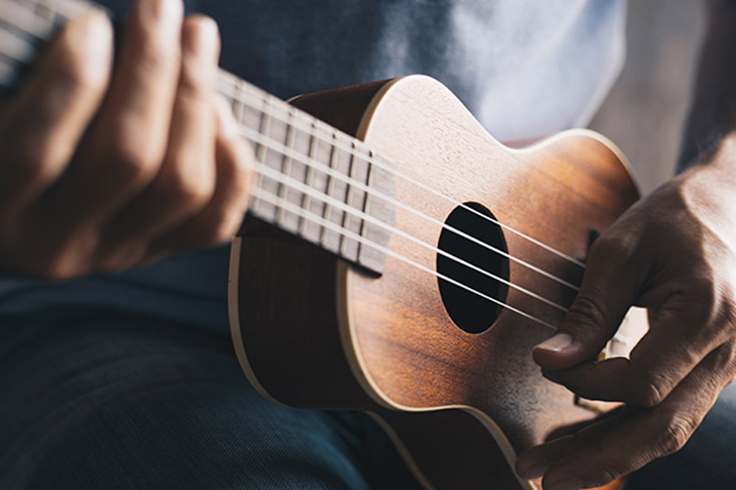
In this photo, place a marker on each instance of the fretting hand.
(105, 169)
(674, 253)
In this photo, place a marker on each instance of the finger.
(679, 339)
(644, 435)
(605, 381)
(41, 126)
(682, 333)
(570, 429)
(612, 279)
(533, 463)
(186, 181)
(124, 149)
(222, 217)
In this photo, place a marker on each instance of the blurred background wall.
(645, 112)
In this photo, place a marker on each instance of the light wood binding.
(313, 332)
(458, 405)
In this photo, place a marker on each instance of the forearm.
(712, 115)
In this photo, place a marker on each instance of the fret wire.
(260, 150)
(238, 104)
(309, 126)
(285, 169)
(439, 194)
(254, 136)
(329, 190)
(361, 224)
(77, 7)
(393, 229)
(341, 241)
(312, 176)
(313, 144)
(265, 126)
(369, 184)
(387, 251)
(364, 207)
(348, 194)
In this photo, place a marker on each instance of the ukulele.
(397, 259)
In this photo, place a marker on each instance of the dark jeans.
(127, 403)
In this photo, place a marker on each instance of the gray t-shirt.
(525, 68)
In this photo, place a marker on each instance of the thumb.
(610, 285)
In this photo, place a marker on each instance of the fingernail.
(557, 343)
(201, 39)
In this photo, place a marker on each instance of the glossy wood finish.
(404, 341)
(313, 332)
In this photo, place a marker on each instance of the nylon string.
(314, 218)
(296, 122)
(269, 143)
(295, 184)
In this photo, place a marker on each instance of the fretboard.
(312, 180)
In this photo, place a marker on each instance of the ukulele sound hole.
(469, 310)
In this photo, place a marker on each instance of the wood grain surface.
(312, 332)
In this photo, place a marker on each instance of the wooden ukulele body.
(313, 332)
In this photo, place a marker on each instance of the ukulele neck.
(313, 181)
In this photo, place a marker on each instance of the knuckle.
(193, 87)
(675, 435)
(192, 190)
(650, 390)
(81, 66)
(155, 54)
(723, 358)
(131, 162)
(615, 247)
(586, 311)
(33, 162)
(602, 477)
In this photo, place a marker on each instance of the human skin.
(104, 167)
(675, 253)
